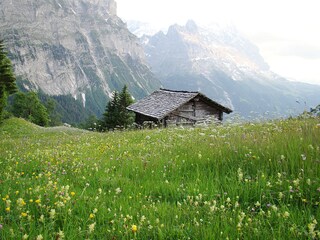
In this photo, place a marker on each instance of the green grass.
(248, 181)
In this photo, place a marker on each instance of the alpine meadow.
(110, 133)
(232, 181)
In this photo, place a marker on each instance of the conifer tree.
(7, 79)
(116, 114)
(125, 100)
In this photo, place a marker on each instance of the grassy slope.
(251, 181)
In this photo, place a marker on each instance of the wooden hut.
(177, 107)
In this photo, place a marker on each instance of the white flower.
(91, 227)
(41, 219)
(52, 213)
(39, 237)
(286, 214)
(61, 234)
(118, 190)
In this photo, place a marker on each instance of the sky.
(287, 32)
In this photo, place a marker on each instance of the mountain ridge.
(74, 47)
(225, 66)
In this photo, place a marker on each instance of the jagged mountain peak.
(191, 26)
(199, 48)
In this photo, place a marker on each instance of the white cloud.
(286, 31)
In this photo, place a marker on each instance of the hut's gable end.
(196, 110)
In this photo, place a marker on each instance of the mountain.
(76, 51)
(224, 65)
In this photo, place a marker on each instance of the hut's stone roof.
(162, 102)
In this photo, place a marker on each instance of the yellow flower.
(31, 200)
(24, 214)
(73, 193)
(134, 228)
(38, 201)
(8, 209)
(91, 215)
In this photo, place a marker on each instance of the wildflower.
(280, 195)
(24, 214)
(41, 219)
(296, 182)
(118, 190)
(25, 236)
(95, 210)
(91, 227)
(7, 209)
(73, 193)
(309, 181)
(39, 237)
(311, 227)
(134, 228)
(143, 218)
(60, 235)
(286, 214)
(52, 213)
(91, 215)
(240, 175)
(21, 202)
(38, 201)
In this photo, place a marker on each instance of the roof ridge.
(179, 91)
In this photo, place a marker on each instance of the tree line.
(28, 105)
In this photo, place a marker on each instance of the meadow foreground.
(248, 181)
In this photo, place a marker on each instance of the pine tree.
(116, 114)
(7, 79)
(125, 100)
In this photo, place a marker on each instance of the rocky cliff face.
(225, 66)
(74, 47)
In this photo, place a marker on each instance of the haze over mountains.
(220, 62)
(80, 51)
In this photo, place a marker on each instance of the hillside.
(257, 181)
(74, 50)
